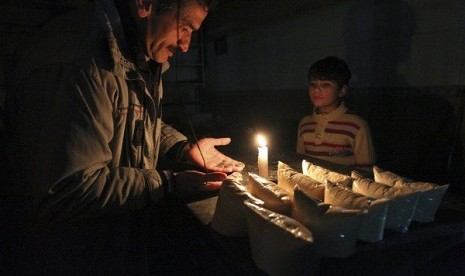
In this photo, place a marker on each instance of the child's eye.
(326, 85)
(321, 85)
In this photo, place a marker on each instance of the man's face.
(165, 32)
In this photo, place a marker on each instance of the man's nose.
(184, 42)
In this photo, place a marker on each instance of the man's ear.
(144, 8)
(343, 91)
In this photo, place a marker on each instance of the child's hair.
(330, 68)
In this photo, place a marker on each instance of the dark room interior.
(246, 73)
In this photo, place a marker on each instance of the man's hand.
(214, 160)
(191, 182)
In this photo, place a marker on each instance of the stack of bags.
(318, 213)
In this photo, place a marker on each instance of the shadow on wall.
(414, 131)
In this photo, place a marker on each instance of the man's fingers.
(211, 186)
(222, 141)
(214, 181)
(216, 176)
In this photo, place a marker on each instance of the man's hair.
(330, 68)
(164, 6)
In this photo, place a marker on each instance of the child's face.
(325, 94)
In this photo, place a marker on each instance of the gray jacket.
(76, 100)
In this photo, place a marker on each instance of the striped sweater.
(339, 137)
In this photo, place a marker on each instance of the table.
(397, 254)
(173, 237)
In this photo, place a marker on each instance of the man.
(85, 111)
(85, 135)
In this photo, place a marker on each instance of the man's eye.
(185, 28)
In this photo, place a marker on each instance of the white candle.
(262, 157)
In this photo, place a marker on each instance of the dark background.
(246, 73)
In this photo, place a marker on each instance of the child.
(332, 132)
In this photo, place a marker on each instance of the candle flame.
(261, 140)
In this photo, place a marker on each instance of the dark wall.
(416, 131)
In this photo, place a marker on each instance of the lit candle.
(262, 157)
